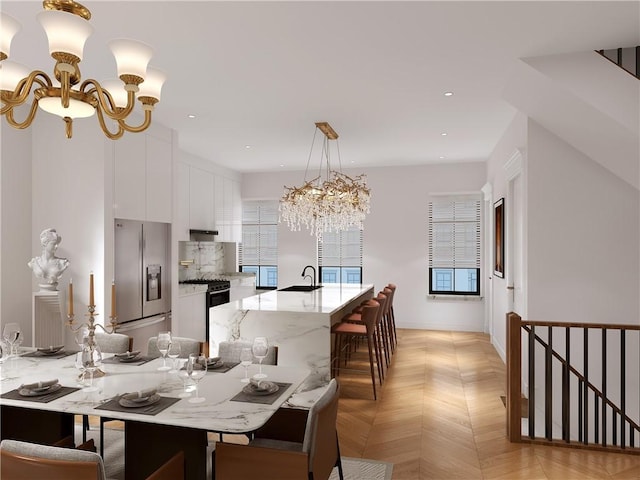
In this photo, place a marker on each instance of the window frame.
(259, 267)
(342, 267)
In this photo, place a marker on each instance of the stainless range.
(217, 294)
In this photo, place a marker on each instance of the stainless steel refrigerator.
(143, 278)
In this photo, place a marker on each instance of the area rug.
(353, 468)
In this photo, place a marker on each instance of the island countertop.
(327, 299)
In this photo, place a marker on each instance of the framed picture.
(498, 247)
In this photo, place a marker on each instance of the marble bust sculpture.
(47, 267)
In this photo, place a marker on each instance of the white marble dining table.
(217, 413)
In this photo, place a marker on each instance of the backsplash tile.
(208, 260)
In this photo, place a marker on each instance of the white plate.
(50, 351)
(27, 392)
(136, 403)
(266, 388)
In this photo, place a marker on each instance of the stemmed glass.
(246, 359)
(173, 353)
(187, 384)
(80, 366)
(91, 360)
(11, 334)
(197, 369)
(164, 342)
(260, 349)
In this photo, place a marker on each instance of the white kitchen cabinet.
(190, 321)
(228, 209)
(219, 205)
(201, 199)
(181, 222)
(159, 179)
(142, 178)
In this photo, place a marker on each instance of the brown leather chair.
(27, 461)
(293, 444)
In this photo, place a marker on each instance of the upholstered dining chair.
(187, 346)
(293, 444)
(229, 351)
(114, 342)
(27, 461)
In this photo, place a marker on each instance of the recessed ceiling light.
(441, 157)
(282, 164)
(191, 115)
(247, 147)
(444, 134)
(448, 94)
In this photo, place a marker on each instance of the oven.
(217, 294)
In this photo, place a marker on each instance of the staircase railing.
(590, 398)
(626, 58)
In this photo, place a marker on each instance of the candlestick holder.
(90, 346)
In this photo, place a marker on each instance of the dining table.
(153, 433)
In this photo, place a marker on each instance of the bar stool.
(382, 333)
(366, 329)
(392, 315)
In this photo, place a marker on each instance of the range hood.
(202, 235)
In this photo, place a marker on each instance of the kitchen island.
(299, 323)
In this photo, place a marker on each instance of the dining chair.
(187, 346)
(114, 342)
(293, 444)
(27, 461)
(229, 351)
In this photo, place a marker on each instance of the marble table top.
(326, 300)
(217, 413)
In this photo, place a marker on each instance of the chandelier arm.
(24, 86)
(140, 128)
(105, 129)
(106, 100)
(21, 125)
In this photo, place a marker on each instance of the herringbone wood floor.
(439, 416)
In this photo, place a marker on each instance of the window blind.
(341, 249)
(454, 232)
(259, 234)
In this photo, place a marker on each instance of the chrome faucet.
(313, 279)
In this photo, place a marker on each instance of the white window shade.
(454, 233)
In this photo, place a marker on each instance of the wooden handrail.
(601, 326)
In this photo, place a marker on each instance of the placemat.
(60, 354)
(48, 397)
(154, 409)
(264, 399)
(225, 367)
(139, 361)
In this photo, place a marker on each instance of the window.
(454, 245)
(258, 251)
(340, 256)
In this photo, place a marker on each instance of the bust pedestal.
(47, 321)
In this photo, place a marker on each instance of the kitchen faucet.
(314, 274)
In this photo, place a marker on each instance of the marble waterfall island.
(299, 323)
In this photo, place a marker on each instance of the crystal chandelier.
(66, 24)
(330, 203)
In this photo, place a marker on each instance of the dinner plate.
(36, 392)
(216, 364)
(135, 403)
(132, 358)
(49, 351)
(266, 388)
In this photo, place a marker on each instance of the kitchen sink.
(300, 288)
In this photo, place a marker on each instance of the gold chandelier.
(330, 204)
(67, 27)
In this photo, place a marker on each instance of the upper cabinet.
(201, 199)
(228, 209)
(143, 178)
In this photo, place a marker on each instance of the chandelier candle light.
(90, 325)
(66, 24)
(333, 203)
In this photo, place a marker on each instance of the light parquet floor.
(439, 416)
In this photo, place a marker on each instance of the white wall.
(395, 238)
(15, 228)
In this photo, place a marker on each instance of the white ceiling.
(262, 73)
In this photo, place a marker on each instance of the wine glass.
(81, 337)
(197, 369)
(246, 359)
(164, 342)
(11, 334)
(260, 349)
(173, 353)
(187, 384)
(80, 366)
(91, 360)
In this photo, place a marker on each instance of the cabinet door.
(159, 180)
(201, 202)
(236, 213)
(219, 204)
(181, 221)
(129, 195)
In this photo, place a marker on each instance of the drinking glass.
(11, 334)
(80, 366)
(197, 369)
(260, 349)
(246, 359)
(91, 360)
(164, 342)
(173, 353)
(187, 384)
